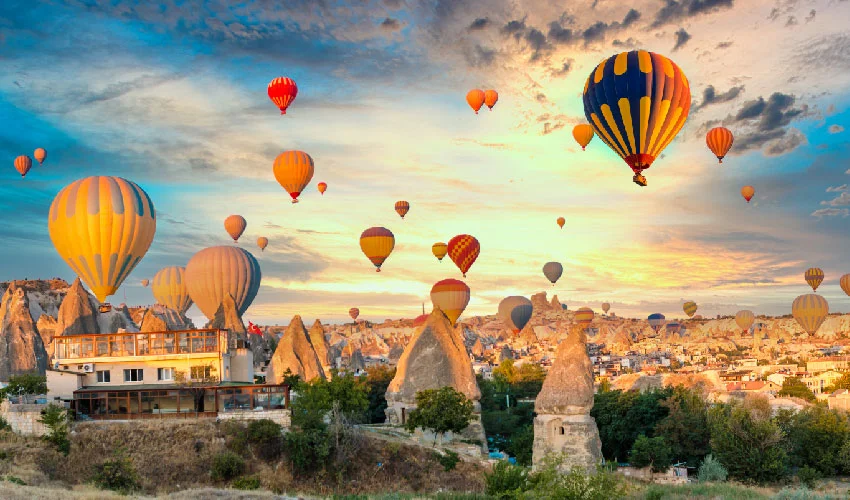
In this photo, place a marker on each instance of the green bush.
(55, 418)
(507, 480)
(4, 424)
(801, 494)
(265, 436)
(226, 466)
(16, 480)
(653, 493)
(308, 450)
(711, 470)
(550, 481)
(116, 474)
(808, 476)
(448, 459)
(653, 452)
(235, 436)
(246, 483)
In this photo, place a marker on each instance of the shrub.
(712, 470)
(55, 418)
(308, 449)
(808, 476)
(226, 466)
(551, 482)
(4, 424)
(16, 480)
(116, 474)
(801, 494)
(653, 452)
(266, 437)
(235, 437)
(440, 411)
(506, 480)
(246, 483)
(448, 459)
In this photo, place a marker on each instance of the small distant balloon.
(354, 312)
(262, 242)
(656, 321)
(323, 186)
(583, 134)
(845, 283)
(145, 283)
(463, 250)
(747, 192)
(39, 154)
(402, 207)
(719, 141)
(606, 307)
(745, 319)
(490, 98)
(377, 244)
(584, 316)
(451, 296)
(475, 99)
(23, 164)
(553, 271)
(814, 277)
(235, 225)
(282, 91)
(439, 250)
(690, 308)
(561, 222)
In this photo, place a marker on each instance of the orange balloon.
(323, 186)
(23, 164)
(491, 97)
(475, 99)
(561, 222)
(293, 170)
(719, 141)
(402, 207)
(747, 192)
(583, 133)
(451, 296)
(235, 225)
(439, 250)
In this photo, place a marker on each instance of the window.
(201, 372)
(103, 376)
(165, 373)
(134, 375)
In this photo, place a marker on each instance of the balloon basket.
(639, 180)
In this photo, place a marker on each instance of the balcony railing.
(140, 344)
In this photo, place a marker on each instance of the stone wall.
(282, 417)
(23, 418)
(574, 436)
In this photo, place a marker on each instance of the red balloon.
(282, 92)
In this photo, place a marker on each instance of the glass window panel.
(102, 346)
(170, 346)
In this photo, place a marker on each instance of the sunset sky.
(172, 95)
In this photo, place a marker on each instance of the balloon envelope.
(656, 321)
(584, 316)
(322, 186)
(169, 289)
(145, 283)
(583, 133)
(402, 207)
(553, 271)
(354, 312)
(282, 91)
(606, 307)
(463, 250)
(439, 250)
(814, 277)
(102, 227)
(515, 311)
(561, 222)
(40, 155)
(451, 296)
(747, 192)
(845, 283)
(745, 319)
(475, 99)
(810, 310)
(293, 170)
(235, 225)
(377, 243)
(215, 272)
(719, 141)
(690, 307)
(23, 164)
(491, 97)
(262, 242)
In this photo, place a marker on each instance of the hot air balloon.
(402, 207)
(39, 154)
(490, 98)
(262, 242)
(463, 250)
(293, 171)
(439, 250)
(553, 271)
(584, 316)
(719, 141)
(354, 312)
(515, 311)
(690, 307)
(814, 277)
(845, 283)
(145, 283)
(323, 186)
(561, 222)
(451, 296)
(606, 307)
(673, 328)
(377, 243)
(810, 310)
(282, 92)
(747, 192)
(475, 99)
(637, 102)
(102, 227)
(215, 272)
(235, 225)
(23, 164)
(169, 289)
(745, 319)
(656, 321)
(583, 134)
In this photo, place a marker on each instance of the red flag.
(252, 328)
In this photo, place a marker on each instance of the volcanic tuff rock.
(540, 303)
(21, 347)
(296, 353)
(46, 326)
(117, 319)
(320, 345)
(556, 304)
(78, 313)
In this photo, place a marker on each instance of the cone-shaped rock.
(320, 345)
(563, 423)
(77, 313)
(295, 353)
(21, 347)
(356, 361)
(153, 322)
(478, 348)
(556, 304)
(119, 318)
(46, 326)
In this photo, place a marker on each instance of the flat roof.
(142, 333)
(168, 387)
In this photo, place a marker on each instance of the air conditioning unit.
(88, 368)
(56, 365)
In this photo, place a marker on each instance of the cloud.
(841, 200)
(676, 10)
(565, 68)
(811, 16)
(479, 24)
(629, 43)
(682, 38)
(831, 52)
(724, 45)
(831, 212)
(515, 28)
(835, 189)
(762, 124)
(271, 225)
(479, 56)
(390, 24)
(710, 95)
(836, 129)
(549, 127)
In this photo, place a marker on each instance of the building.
(839, 400)
(827, 363)
(159, 374)
(821, 381)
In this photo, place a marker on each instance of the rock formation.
(21, 347)
(556, 304)
(563, 423)
(478, 348)
(356, 361)
(118, 319)
(46, 326)
(320, 345)
(540, 303)
(434, 358)
(77, 313)
(295, 353)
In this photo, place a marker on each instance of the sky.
(172, 95)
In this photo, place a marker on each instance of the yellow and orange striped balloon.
(235, 225)
(169, 288)
(690, 308)
(293, 170)
(402, 207)
(451, 296)
(583, 133)
(845, 283)
(23, 164)
(377, 243)
(745, 319)
(584, 316)
(810, 310)
(463, 250)
(491, 97)
(102, 227)
(475, 99)
(814, 277)
(719, 141)
(439, 250)
(262, 242)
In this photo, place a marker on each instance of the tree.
(796, 388)
(651, 452)
(317, 398)
(623, 416)
(842, 383)
(378, 378)
(55, 418)
(195, 381)
(816, 436)
(440, 410)
(28, 384)
(685, 427)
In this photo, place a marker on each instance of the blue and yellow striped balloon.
(637, 102)
(102, 227)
